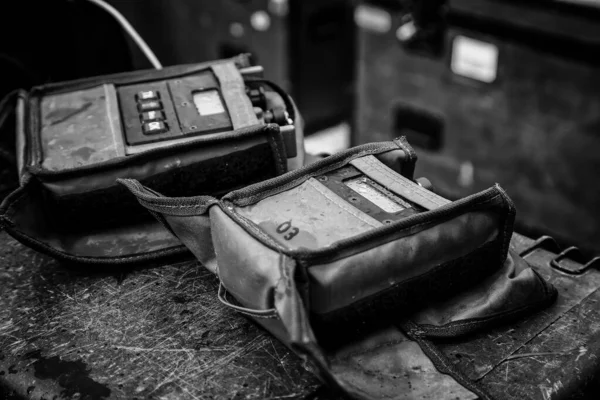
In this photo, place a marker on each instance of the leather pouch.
(356, 266)
(74, 139)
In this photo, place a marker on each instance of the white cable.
(131, 31)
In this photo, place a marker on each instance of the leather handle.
(175, 206)
(268, 313)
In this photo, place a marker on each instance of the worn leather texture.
(513, 285)
(389, 365)
(246, 268)
(320, 216)
(24, 216)
(358, 303)
(340, 283)
(83, 215)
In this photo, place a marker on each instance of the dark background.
(315, 50)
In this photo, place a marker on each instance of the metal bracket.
(543, 242)
(576, 268)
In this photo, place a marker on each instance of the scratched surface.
(161, 334)
(562, 362)
(153, 333)
(553, 354)
(64, 146)
(485, 352)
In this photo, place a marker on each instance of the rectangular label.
(474, 59)
(208, 102)
(366, 188)
(397, 184)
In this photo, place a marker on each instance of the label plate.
(474, 59)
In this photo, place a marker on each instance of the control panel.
(96, 124)
(369, 196)
(188, 106)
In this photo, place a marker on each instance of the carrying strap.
(175, 206)
(233, 91)
(398, 184)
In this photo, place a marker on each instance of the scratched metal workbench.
(146, 333)
(161, 333)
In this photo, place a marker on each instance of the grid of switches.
(151, 112)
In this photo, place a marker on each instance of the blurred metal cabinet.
(501, 91)
(305, 46)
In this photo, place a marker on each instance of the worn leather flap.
(509, 292)
(26, 217)
(247, 268)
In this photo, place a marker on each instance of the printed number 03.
(287, 230)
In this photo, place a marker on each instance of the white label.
(362, 187)
(373, 18)
(147, 95)
(474, 59)
(208, 102)
(154, 126)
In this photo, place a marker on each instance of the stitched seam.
(507, 224)
(403, 230)
(275, 149)
(408, 166)
(394, 178)
(410, 153)
(250, 225)
(325, 253)
(194, 206)
(442, 364)
(311, 257)
(251, 198)
(251, 314)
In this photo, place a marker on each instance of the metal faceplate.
(367, 195)
(188, 106)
